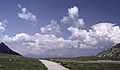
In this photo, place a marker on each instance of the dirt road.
(53, 65)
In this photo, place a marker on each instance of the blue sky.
(44, 14)
(45, 10)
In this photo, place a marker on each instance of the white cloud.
(52, 28)
(38, 44)
(48, 44)
(73, 18)
(107, 31)
(2, 29)
(5, 21)
(101, 35)
(25, 14)
(85, 41)
(2, 25)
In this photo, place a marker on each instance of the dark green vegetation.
(12, 62)
(74, 63)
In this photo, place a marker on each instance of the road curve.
(53, 65)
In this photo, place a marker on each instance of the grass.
(73, 63)
(89, 66)
(12, 62)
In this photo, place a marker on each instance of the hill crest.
(113, 52)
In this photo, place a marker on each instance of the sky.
(59, 28)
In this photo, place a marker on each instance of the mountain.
(113, 52)
(6, 50)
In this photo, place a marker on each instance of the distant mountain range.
(113, 52)
(6, 50)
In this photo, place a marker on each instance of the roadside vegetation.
(74, 63)
(12, 62)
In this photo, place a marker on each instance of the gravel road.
(53, 65)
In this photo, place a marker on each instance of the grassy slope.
(12, 62)
(73, 63)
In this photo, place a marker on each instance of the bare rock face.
(113, 52)
(6, 50)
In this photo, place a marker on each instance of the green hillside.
(12, 62)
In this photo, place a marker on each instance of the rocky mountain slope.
(113, 52)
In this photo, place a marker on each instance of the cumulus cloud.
(25, 14)
(2, 29)
(52, 28)
(38, 44)
(48, 44)
(73, 17)
(2, 25)
(101, 35)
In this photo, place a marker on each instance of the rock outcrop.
(113, 52)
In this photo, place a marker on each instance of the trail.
(53, 65)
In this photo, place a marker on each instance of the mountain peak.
(117, 45)
(2, 43)
(6, 50)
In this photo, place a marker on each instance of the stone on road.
(53, 65)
